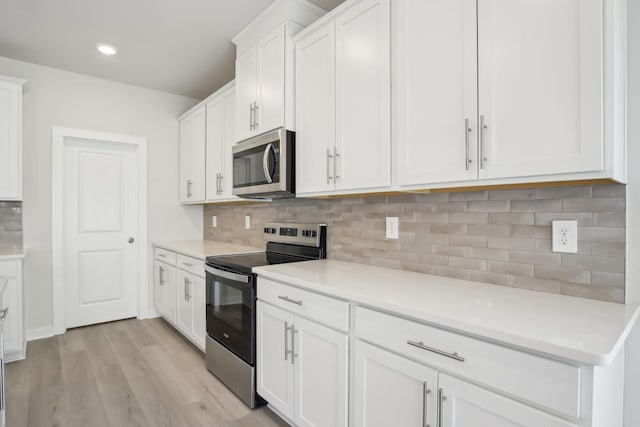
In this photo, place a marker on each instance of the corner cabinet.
(492, 92)
(180, 293)
(11, 138)
(342, 101)
(302, 360)
(264, 67)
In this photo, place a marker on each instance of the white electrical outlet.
(247, 222)
(565, 236)
(392, 227)
(214, 221)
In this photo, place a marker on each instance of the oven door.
(263, 165)
(231, 309)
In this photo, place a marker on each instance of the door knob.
(131, 240)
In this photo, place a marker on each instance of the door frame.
(59, 136)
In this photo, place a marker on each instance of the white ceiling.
(176, 46)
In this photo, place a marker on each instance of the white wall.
(60, 98)
(632, 354)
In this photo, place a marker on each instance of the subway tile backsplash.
(499, 236)
(10, 225)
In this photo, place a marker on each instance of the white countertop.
(203, 248)
(577, 329)
(6, 254)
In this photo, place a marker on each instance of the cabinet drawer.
(326, 310)
(9, 268)
(532, 378)
(192, 265)
(165, 256)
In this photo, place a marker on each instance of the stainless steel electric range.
(231, 302)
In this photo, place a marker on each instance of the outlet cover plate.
(392, 227)
(565, 236)
(214, 221)
(247, 222)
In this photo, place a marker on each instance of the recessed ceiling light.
(106, 49)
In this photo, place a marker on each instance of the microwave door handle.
(265, 163)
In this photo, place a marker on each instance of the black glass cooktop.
(275, 254)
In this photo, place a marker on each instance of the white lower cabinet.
(391, 390)
(302, 367)
(12, 301)
(180, 293)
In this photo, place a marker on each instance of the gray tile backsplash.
(498, 236)
(10, 225)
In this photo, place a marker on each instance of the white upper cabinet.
(220, 131)
(192, 156)
(10, 138)
(264, 67)
(540, 86)
(434, 64)
(315, 110)
(343, 101)
(500, 92)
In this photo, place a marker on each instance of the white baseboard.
(38, 333)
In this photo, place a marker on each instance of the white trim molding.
(58, 138)
(39, 333)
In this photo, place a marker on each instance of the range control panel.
(301, 234)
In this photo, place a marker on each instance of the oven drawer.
(165, 256)
(329, 311)
(192, 265)
(511, 371)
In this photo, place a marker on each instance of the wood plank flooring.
(128, 373)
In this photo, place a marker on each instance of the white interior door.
(100, 227)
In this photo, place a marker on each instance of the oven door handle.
(265, 163)
(243, 278)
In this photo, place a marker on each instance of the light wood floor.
(126, 373)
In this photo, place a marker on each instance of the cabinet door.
(192, 157)
(270, 114)
(170, 293)
(185, 311)
(229, 123)
(10, 140)
(321, 358)
(435, 90)
(215, 147)
(274, 364)
(246, 81)
(540, 86)
(197, 294)
(159, 274)
(391, 390)
(363, 88)
(315, 111)
(467, 405)
(13, 330)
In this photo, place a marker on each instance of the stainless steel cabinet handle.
(441, 398)
(483, 158)
(3, 316)
(189, 184)
(188, 264)
(256, 112)
(329, 157)
(293, 345)
(467, 130)
(425, 392)
(188, 290)
(421, 345)
(162, 255)
(286, 340)
(186, 296)
(335, 164)
(251, 116)
(161, 276)
(293, 301)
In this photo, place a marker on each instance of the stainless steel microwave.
(264, 166)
